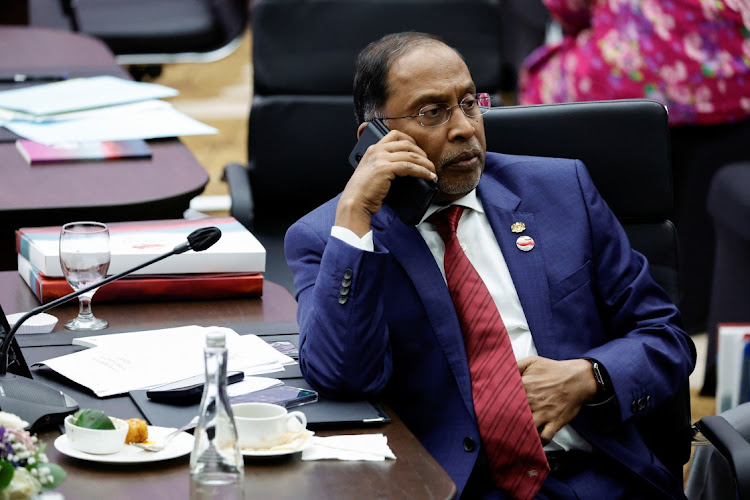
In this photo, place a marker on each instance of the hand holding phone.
(409, 197)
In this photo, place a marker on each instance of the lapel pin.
(518, 227)
(525, 243)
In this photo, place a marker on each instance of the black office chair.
(301, 125)
(523, 27)
(713, 477)
(625, 146)
(145, 34)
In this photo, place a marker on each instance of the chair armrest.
(732, 446)
(237, 178)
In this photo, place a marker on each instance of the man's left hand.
(556, 390)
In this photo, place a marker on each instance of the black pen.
(22, 78)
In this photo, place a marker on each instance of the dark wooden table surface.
(117, 190)
(413, 475)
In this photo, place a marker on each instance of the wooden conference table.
(414, 474)
(52, 194)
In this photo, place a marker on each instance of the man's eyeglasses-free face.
(434, 115)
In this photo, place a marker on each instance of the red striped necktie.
(511, 441)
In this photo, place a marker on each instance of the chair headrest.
(624, 144)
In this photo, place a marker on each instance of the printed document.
(39, 101)
(147, 120)
(117, 363)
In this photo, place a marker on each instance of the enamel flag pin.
(525, 243)
(518, 227)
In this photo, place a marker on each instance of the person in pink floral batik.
(691, 55)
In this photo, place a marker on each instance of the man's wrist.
(353, 217)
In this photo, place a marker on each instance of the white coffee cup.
(264, 425)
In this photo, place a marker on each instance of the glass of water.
(84, 257)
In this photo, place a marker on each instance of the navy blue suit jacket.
(382, 322)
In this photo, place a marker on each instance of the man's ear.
(361, 128)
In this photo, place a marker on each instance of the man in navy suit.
(598, 344)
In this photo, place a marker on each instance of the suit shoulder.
(503, 160)
(531, 168)
(321, 218)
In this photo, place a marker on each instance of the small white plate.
(180, 445)
(304, 442)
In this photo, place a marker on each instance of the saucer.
(298, 443)
(180, 445)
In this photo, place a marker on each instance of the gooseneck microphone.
(39, 403)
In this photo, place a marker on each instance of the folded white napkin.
(370, 447)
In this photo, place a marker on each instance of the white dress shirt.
(478, 242)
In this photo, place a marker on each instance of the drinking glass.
(84, 257)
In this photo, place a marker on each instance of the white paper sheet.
(159, 119)
(118, 363)
(80, 93)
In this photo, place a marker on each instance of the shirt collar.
(470, 200)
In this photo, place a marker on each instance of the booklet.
(35, 153)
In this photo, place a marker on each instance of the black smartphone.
(409, 197)
(283, 395)
(188, 389)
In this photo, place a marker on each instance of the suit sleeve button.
(344, 290)
(348, 274)
(343, 299)
(469, 444)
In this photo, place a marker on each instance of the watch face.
(598, 376)
(604, 386)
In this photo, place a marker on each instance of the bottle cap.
(215, 338)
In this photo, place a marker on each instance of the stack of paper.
(132, 243)
(102, 108)
(118, 363)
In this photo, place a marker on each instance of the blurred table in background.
(116, 190)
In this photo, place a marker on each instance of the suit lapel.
(527, 269)
(407, 246)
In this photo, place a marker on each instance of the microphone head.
(202, 238)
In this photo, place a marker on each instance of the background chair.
(301, 125)
(625, 146)
(523, 28)
(147, 33)
(723, 469)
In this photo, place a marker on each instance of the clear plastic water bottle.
(216, 463)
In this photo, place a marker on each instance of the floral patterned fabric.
(691, 55)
